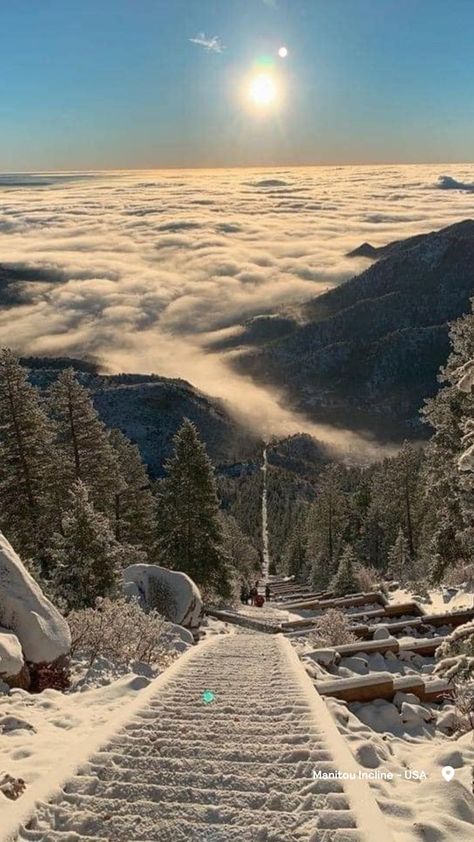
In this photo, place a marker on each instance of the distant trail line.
(265, 539)
(237, 770)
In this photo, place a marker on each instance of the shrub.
(455, 659)
(119, 630)
(332, 629)
(460, 574)
(367, 578)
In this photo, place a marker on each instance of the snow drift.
(173, 594)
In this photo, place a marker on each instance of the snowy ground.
(40, 734)
(429, 809)
(238, 770)
(402, 736)
(440, 599)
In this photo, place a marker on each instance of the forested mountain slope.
(366, 354)
(149, 409)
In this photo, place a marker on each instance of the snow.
(11, 656)
(24, 609)
(44, 737)
(181, 597)
(466, 377)
(257, 745)
(427, 809)
(440, 599)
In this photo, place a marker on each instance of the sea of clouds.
(143, 270)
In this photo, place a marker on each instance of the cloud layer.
(145, 269)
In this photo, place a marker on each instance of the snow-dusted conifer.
(190, 533)
(28, 460)
(134, 518)
(345, 580)
(327, 518)
(295, 557)
(399, 559)
(450, 492)
(87, 452)
(86, 556)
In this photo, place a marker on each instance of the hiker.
(267, 591)
(253, 595)
(244, 594)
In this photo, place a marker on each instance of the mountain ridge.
(366, 354)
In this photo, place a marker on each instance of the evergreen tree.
(295, 557)
(86, 556)
(326, 525)
(396, 503)
(450, 494)
(28, 460)
(190, 531)
(134, 510)
(320, 573)
(87, 452)
(345, 581)
(399, 559)
(243, 556)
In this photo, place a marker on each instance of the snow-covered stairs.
(239, 769)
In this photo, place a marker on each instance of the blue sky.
(118, 83)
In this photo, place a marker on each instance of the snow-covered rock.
(177, 638)
(448, 720)
(381, 633)
(13, 670)
(325, 657)
(173, 594)
(42, 631)
(400, 698)
(415, 714)
(357, 665)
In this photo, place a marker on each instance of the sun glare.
(262, 89)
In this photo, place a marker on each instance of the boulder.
(13, 670)
(400, 698)
(413, 714)
(43, 633)
(325, 657)
(381, 633)
(448, 721)
(174, 595)
(177, 637)
(357, 665)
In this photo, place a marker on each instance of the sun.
(263, 90)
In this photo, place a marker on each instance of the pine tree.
(190, 533)
(296, 554)
(396, 503)
(449, 493)
(86, 556)
(321, 573)
(328, 518)
(134, 519)
(399, 560)
(87, 452)
(345, 581)
(28, 460)
(242, 555)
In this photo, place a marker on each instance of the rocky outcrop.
(28, 617)
(171, 593)
(13, 670)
